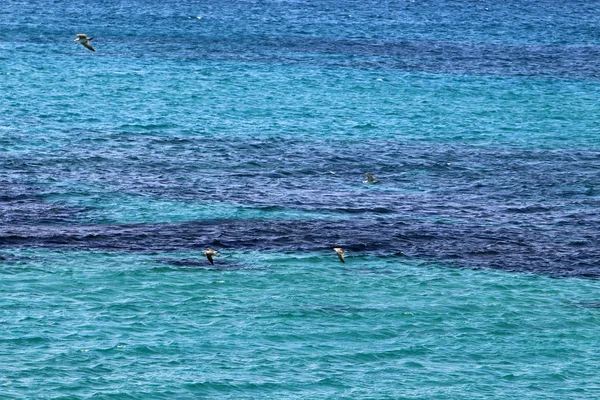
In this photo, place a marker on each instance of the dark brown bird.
(370, 179)
(340, 253)
(209, 253)
(84, 40)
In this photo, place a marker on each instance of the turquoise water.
(290, 326)
(247, 126)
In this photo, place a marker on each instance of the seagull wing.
(87, 45)
(209, 256)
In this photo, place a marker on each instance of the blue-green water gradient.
(247, 126)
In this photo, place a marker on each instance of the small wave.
(528, 209)
(374, 210)
(146, 127)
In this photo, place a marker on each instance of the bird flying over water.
(370, 178)
(84, 40)
(340, 253)
(209, 253)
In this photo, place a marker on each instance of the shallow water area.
(290, 325)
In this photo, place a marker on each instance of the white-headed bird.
(340, 253)
(210, 253)
(84, 40)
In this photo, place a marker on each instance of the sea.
(247, 126)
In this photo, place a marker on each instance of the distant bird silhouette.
(209, 253)
(84, 40)
(340, 253)
(370, 179)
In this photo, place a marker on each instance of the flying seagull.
(209, 253)
(84, 40)
(340, 253)
(370, 179)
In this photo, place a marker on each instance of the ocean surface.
(247, 126)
